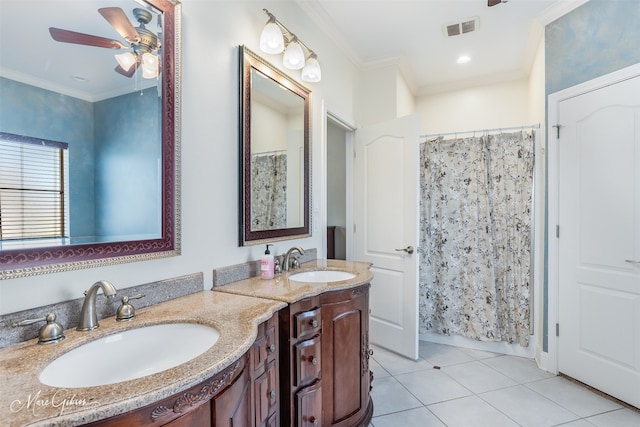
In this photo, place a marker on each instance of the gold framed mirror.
(275, 159)
(68, 71)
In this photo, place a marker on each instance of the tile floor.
(476, 389)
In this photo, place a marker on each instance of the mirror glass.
(98, 77)
(274, 186)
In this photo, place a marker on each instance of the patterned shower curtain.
(475, 236)
(268, 191)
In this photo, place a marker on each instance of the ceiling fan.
(495, 2)
(144, 44)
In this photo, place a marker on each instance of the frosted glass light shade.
(149, 66)
(311, 71)
(126, 60)
(271, 39)
(293, 56)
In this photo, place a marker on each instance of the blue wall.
(31, 111)
(595, 39)
(114, 154)
(128, 165)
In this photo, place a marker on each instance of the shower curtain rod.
(534, 126)
(264, 153)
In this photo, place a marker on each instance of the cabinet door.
(232, 407)
(309, 406)
(266, 395)
(344, 357)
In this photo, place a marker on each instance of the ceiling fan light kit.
(276, 38)
(144, 44)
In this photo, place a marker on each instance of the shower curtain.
(268, 191)
(475, 236)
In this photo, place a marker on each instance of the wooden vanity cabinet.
(345, 358)
(324, 355)
(244, 394)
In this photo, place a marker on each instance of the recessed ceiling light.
(463, 59)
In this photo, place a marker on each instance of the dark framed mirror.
(274, 153)
(67, 83)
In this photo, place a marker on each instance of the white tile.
(527, 407)
(470, 411)
(419, 417)
(390, 396)
(432, 386)
(396, 364)
(577, 423)
(519, 369)
(479, 354)
(572, 396)
(619, 418)
(442, 355)
(477, 377)
(378, 371)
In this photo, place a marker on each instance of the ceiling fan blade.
(119, 21)
(67, 36)
(126, 73)
(493, 2)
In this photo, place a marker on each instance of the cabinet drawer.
(266, 394)
(309, 406)
(307, 322)
(307, 360)
(264, 349)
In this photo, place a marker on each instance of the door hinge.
(557, 329)
(354, 228)
(557, 130)
(557, 231)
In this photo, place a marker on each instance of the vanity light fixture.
(463, 59)
(276, 38)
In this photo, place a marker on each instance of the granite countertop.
(282, 289)
(24, 400)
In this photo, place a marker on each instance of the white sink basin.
(129, 355)
(321, 276)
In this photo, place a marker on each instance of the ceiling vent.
(464, 27)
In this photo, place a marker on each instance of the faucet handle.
(126, 311)
(296, 263)
(49, 333)
(277, 265)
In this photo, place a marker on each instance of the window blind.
(32, 188)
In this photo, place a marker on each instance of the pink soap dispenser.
(266, 265)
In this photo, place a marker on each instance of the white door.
(386, 234)
(599, 239)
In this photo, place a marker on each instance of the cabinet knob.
(313, 421)
(272, 348)
(313, 360)
(272, 394)
(314, 323)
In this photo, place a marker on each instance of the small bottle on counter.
(266, 264)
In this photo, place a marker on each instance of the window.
(33, 199)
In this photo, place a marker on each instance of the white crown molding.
(557, 10)
(66, 90)
(318, 15)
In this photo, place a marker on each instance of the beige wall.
(490, 106)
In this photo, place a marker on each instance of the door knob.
(408, 249)
(632, 261)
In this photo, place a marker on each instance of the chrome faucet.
(286, 263)
(88, 316)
